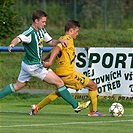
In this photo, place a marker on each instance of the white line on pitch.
(66, 123)
(53, 113)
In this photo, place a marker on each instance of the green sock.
(64, 93)
(7, 90)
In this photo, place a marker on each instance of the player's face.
(41, 23)
(75, 32)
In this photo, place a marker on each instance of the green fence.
(101, 14)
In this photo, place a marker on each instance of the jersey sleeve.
(59, 45)
(47, 37)
(23, 38)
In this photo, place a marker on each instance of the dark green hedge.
(9, 22)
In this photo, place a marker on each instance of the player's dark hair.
(38, 14)
(71, 24)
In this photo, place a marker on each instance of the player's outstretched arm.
(14, 42)
(46, 57)
(64, 43)
(53, 55)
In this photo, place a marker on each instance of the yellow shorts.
(75, 80)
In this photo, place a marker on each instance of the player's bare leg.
(11, 88)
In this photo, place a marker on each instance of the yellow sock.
(93, 97)
(51, 97)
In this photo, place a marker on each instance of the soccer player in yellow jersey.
(65, 59)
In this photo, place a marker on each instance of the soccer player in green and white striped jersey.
(33, 38)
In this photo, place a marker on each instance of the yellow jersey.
(66, 58)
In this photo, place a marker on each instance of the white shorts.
(28, 71)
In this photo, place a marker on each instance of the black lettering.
(107, 77)
(118, 73)
(109, 86)
(118, 84)
(94, 58)
(97, 80)
(129, 76)
(102, 78)
(85, 73)
(105, 60)
(99, 89)
(104, 89)
(131, 55)
(81, 59)
(126, 76)
(113, 85)
(113, 76)
(120, 59)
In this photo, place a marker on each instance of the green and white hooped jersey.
(33, 43)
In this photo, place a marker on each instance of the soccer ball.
(116, 110)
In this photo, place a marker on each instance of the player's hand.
(47, 65)
(10, 47)
(64, 43)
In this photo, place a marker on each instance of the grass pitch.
(58, 118)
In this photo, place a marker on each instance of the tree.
(9, 22)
